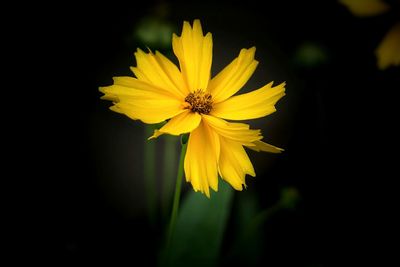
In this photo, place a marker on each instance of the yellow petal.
(185, 122)
(238, 132)
(149, 106)
(261, 146)
(201, 159)
(173, 73)
(156, 134)
(256, 104)
(133, 83)
(234, 76)
(365, 8)
(194, 52)
(159, 71)
(234, 163)
(388, 51)
(149, 111)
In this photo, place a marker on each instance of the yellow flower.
(388, 51)
(195, 103)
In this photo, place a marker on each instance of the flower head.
(193, 102)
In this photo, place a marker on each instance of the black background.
(333, 123)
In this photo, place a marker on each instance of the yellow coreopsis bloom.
(195, 103)
(388, 51)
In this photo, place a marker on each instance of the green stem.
(150, 175)
(177, 195)
(169, 170)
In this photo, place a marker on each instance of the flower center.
(199, 101)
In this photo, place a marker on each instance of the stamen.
(199, 101)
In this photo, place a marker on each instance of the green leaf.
(200, 228)
(247, 245)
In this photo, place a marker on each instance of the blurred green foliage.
(310, 54)
(200, 229)
(154, 32)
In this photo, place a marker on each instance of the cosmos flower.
(193, 102)
(388, 51)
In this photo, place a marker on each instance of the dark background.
(330, 123)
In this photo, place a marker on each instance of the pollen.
(199, 101)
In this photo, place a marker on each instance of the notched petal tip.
(235, 185)
(265, 147)
(138, 51)
(155, 135)
(108, 95)
(252, 50)
(196, 21)
(282, 84)
(197, 26)
(174, 36)
(116, 109)
(112, 98)
(271, 84)
(186, 27)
